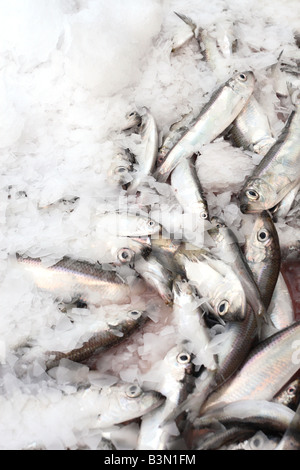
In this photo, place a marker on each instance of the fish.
(122, 402)
(262, 253)
(156, 275)
(176, 384)
(281, 311)
(121, 167)
(133, 121)
(251, 129)
(70, 280)
(145, 161)
(164, 249)
(289, 395)
(188, 190)
(259, 413)
(127, 225)
(291, 437)
(215, 281)
(270, 365)
(214, 439)
(175, 133)
(190, 324)
(103, 336)
(218, 113)
(277, 173)
(229, 250)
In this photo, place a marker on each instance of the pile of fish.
(230, 377)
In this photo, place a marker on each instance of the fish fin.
(187, 20)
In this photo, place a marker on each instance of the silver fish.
(278, 172)
(262, 413)
(251, 129)
(70, 279)
(127, 225)
(220, 111)
(155, 274)
(147, 158)
(188, 190)
(262, 252)
(103, 337)
(229, 250)
(174, 135)
(270, 365)
(176, 385)
(214, 281)
(190, 323)
(121, 167)
(124, 401)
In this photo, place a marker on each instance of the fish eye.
(223, 307)
(291, 390)
(252, 194)
(131, 114)
(135, 314)
(242, 77)
(151, 223)
(133, 391)
(204, 215)
(125, 255)
(120, 169)
(183, 358)
(263, 235)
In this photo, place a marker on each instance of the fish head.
(242, 83)
(125, 401)
(217, 230)
(132, 120)
(229, 300)
(263, 242)
(148, 227)
(257, 195)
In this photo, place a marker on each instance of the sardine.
(156, 275)
(215, 281)
(147, 158)
(261, 413)
(177, 130)
(229, 250)
(121, 167)
(268, 367)
(278, 172)
(251, 129)
(127, 225)
(110, 333)
(177, 383)
(214, 439)
(188, 190)
(262, 252)
(164, 250)
(70, 279)
(190, 323)
(220, 111)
